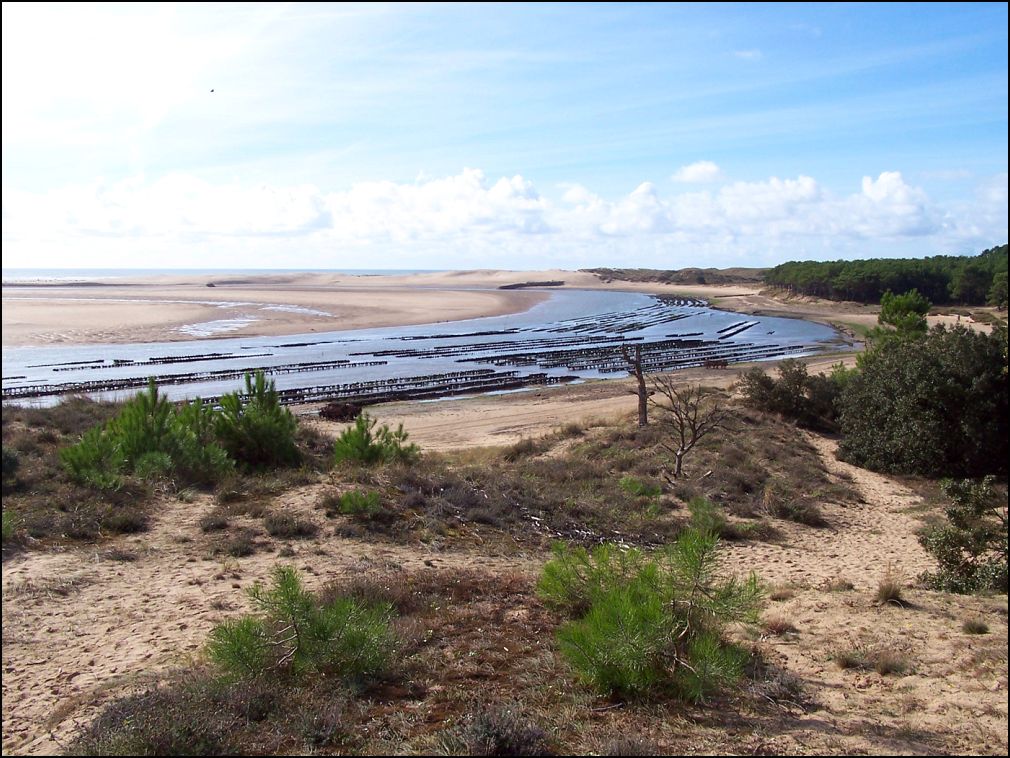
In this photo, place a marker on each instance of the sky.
(500, 136)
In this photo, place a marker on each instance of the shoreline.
(173, 308)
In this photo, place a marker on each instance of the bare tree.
(643, 392)
(689, 412)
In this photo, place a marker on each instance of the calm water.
(572, 333)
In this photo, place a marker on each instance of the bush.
(240, 647)
(9, 526)
(620, 644)
(179, 721)
(935, 406)
(361, 444)
(152, 439)
(971, 547)
(638, 488)
(500, 731)
(650, 623)
(11, 463)
(255, 429)
(811, 401)
(298, 634)
(95, 460)
(359, 502)
(975, 626)
(286, 525)
(574, 578)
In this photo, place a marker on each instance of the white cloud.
(468, 220)
(749, 55)
(698, 173)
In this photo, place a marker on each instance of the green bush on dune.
(298, 634)
(364, 444)
(193, 443)
(646, 623)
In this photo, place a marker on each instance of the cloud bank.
(470, 220)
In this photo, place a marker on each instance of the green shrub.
(620, 645)
(240, 647)
(648, 623)
(9, 526)
(359, 502)
(935, 406)
(638, 488)
(363, 444)
(575, 578)
(255, 429)
(711, 664)
(971, 547)
(95, 460)
(707, 517)
(152, 439)
(11, 463)
(153, 466)
(298, 634)
(196, 455)
(809, 400)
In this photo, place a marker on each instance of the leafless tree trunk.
(689, 412)
(643, 392)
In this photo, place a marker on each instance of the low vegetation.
(971, 547)
(810, 401)
(642, 623)
(295, 635)
(364, 444)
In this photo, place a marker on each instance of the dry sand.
(165, 309)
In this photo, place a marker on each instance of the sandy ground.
(166, 309)
(79, 627)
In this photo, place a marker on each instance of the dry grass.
(889, 591)
(779, 626)
(975, 626)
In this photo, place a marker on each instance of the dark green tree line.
(942, 279)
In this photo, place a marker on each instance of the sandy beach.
(169, 309)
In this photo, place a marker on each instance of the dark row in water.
(574, 335)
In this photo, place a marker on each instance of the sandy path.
(864, 542)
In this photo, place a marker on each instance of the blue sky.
(510, 136)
